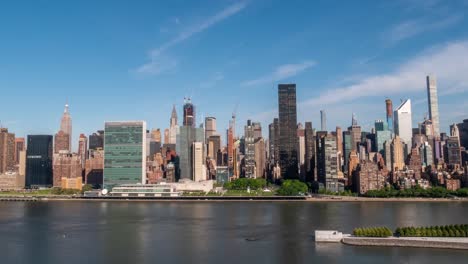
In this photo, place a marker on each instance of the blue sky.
(131, 60)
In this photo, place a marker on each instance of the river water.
(212, 232)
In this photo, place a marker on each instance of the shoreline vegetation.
(260, 189)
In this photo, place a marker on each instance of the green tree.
(292, 187)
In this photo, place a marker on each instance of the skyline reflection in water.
(212, 232)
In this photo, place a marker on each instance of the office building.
(433, 103)
(96, 140)
(199, 173)
(94, 168)
(20, 145)
(173, 127)
(355, 133)
(273, 135)
(249, 153)
(184, 148)
(288, 141)
(7, 150)
(189, 113)
(124, 153)
(414, 163)
(301, 138)
(61, 142)
(463, 133)
(214, 147)
(66, 125)
(426, 154)
(83, 149)
(210, 127)
(397, 153)
(453, 153)
(67, 171)
(39, 161)
(403, 122)
(328, 163)
(260, 157)
(309, 160)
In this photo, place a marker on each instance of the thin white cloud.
(211, 82)
(447, 62)
(155, 67)
(280, 73)
(411, 28)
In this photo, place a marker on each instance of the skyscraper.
(210, 127)
(189, 113)
(20, 145)
(463, 133)
(197, 162)
(66, 125)
(185, 138)
(273, 135)
(323, 120)
(249, 154)
(403, 122)
(259, 157)
(124, 153)
(301, 137)
(288, 141)
(328, 163)
(39, 161)
(173, 127)
(355, 131)
(96, 140)
(61, 142)
(389, 112)
(397, 153)
(433, 103)
(82, 149)
(309, 162)
(7, 150)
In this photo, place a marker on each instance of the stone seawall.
(423, 242)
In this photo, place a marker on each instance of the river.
(212, 232)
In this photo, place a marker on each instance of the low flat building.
(12, 181)
(145, 190)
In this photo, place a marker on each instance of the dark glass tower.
(39, 161)
(189, 113)
(96, 140)
(288, 140)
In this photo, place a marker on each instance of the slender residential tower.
(433, 103)
(389, 108)
(323, 121)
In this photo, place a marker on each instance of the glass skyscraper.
(39, 161)
(288, 140)
(124, 153)
(184, 149)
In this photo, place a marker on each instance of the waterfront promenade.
(421, 242)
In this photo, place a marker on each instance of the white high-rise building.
(433, 103)
(197, 158)
(403, 122)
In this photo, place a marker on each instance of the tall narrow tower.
(323, 120)
(389, 110)
(433, 103)
(288, 140)
(66, 125)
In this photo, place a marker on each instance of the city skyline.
(392, 64)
